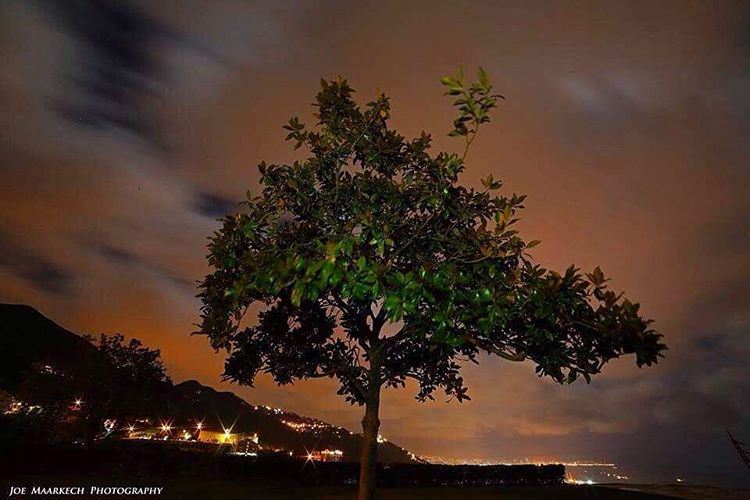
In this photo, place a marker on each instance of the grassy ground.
(194, 489)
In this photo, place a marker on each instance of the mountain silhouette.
(28, 339)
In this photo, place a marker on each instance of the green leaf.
(483, 78)
(391, 302)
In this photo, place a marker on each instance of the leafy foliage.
(125, 379)
(110, 378)
(474, 104)
(130, 364)
(372, 229)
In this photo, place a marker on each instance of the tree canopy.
(372, 228)
(124, 379)
(110, 378)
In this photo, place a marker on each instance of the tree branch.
(510, 356)
(396, 338)
(378, 321)
(350, 377)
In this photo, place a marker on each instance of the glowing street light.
(199, 425)
(309, 456)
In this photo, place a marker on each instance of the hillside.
(28, 339)
(276, 427)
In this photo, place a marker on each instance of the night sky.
(128, 128)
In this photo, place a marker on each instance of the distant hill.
(276, 427)
(28, 338)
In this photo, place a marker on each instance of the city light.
(305, 426)
(109, 425)
(15, 407)
(245, 453)
(438, 460)
(587, 482)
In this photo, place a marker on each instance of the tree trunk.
(369, 458)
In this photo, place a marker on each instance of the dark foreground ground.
(687, 492)
(201, 489)
(201, 476)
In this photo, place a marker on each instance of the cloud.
(41, 273)
(115, 63)
(115, 254)
(214, 206)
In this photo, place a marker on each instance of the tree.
(373, 230)
(110, 378)
(123, 379)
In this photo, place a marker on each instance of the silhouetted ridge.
(29, 339)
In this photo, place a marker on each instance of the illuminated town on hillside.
(196, 435)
